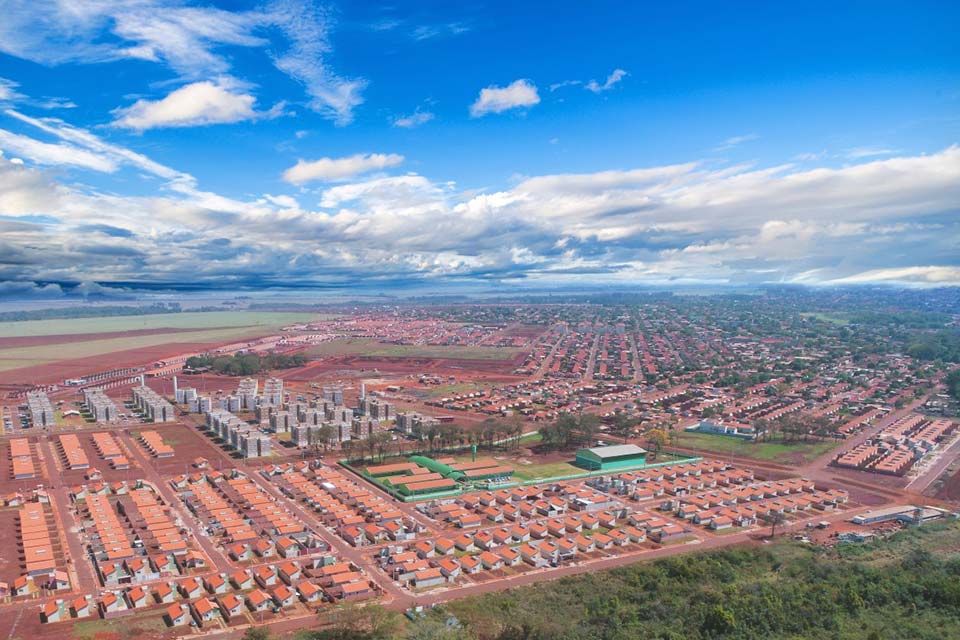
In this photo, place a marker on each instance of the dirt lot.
(187, 444)
(381, 366)
(950, 489)
(79, 367)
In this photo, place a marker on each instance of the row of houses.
(356, 513)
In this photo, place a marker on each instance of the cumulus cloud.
(20, 290)
(191, 41)
(327, 169)
(615, 76)
(199, 103)
(494, 99)
(415, 119)
(881, 220)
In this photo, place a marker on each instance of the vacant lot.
(382, 350)
(777, 451)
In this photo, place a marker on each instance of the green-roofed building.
(613, 458)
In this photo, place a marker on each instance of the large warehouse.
(621, 456)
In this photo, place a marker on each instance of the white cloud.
(735, 141)
(110, 153)
(919, 275)
(493, 99)
(615, 76)
(307, 26)
(565, 83)
(8, 91)
(189, 40)
(868, 152)
(879, 221)
(46, 153)
(415, 119)
(200, 103)
(339, 168)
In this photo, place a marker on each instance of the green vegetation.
(833, 318)
(88, 312)
(544, 470)
(940, 345)
(793, 451)
(245, 364)
(953, 384)
(904, 587)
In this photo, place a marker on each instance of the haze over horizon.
(154, 144)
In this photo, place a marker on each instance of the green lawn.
(774, 450)
(545, 470)
(833, 318)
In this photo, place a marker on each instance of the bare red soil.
(466, 368)
(77, 368)
(950, 489)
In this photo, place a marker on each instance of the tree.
(257, 633)
(657, 439)
(325, 434)
(380, 441)
(624, 425)
(775, 518)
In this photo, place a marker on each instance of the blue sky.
(296, 142)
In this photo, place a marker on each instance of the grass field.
(833, 318)
(381, 350)
(195, 320)
(774, 451)
(210, 327)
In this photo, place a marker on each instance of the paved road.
(591, 361)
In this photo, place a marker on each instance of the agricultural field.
(180, 321)
(44, 343)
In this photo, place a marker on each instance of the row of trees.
(492, 434)
(798, 427)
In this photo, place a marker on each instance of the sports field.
(777, 451)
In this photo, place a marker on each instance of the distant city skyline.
(234, 146)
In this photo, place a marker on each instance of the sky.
(295, 143)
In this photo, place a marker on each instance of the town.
(413, 455)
